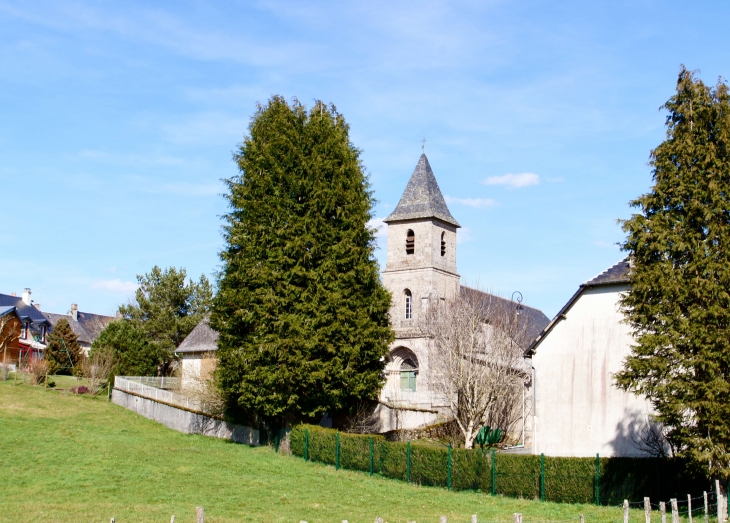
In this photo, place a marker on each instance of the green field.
(69, 458)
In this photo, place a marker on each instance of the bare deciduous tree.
(475, 359)
(9, 334)
(97, 367)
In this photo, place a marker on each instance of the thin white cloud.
(115, 285)
(478, 203)
(514, 181)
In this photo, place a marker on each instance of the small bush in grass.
(83, 389)
(38, 371)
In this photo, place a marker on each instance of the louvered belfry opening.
(443, 244)
(410, 242)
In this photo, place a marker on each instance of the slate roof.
(616, 274)
(422, 197)
(6, 309)
(532, 321)
(201, 339)
(35, 316)
(87, 327)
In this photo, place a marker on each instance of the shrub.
(81, 390)
(567, 480)
(38, 371)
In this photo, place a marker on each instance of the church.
(421, 263)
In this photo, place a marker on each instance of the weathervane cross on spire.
(423, 145)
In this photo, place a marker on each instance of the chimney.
(26, 296)
(37, 305)
(74, 311)
(13, 294)
(118, 315)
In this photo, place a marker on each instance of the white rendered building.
(579, 410)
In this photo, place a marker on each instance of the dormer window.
(409, 304)
(26, 328)
(43, 333)
(410, 242)
(443, 244)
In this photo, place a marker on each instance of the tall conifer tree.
(63, 352)
(679, 300)
(302, 315)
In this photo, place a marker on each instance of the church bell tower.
(420, 264)
(421, 259)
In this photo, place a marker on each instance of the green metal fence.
(569, 480)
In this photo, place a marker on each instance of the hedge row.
(566, 480)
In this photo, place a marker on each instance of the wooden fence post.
(199, 515)
(626, 511)
(675, 510)
(707, 511)
(518, 517)
(444, 519)
(663, 511)
(721, 501)
(474, 518)
(112, 520)
(172, 519)
(647, 510)
(689, 508)
(582, 519)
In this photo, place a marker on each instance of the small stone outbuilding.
(198, 354)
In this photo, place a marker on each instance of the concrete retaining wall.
(182, 419)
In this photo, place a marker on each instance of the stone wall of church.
(428, 235)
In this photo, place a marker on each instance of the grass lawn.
(68, 458)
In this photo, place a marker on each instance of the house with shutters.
(420, 264)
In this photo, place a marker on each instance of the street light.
(519, 307)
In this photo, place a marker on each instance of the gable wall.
(579, 411)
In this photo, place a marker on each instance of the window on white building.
(409, 304)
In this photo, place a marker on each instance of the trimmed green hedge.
(566, 480)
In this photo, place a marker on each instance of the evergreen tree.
(133, 353)
(166, 308)
(679, 300)
(62, 351)
(302, 315)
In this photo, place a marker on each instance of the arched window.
(409, 304)
(408, 373)
(443, 244)
(410, 242)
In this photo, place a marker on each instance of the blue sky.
(118, 121)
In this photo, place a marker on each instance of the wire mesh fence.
(600, 481)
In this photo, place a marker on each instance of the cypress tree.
(302, 315)
(63, 352)
(679, 300)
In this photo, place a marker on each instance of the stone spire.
(422, 198)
